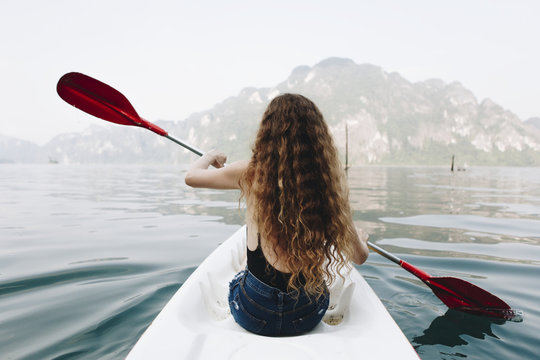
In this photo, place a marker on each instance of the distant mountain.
(535, 121)
(115, 144)
(14, 150)
(390, 121)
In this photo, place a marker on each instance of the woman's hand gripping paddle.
(101, 100)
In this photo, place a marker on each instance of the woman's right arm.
(200, 175)
(361, 250)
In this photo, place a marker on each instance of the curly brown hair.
(296, 189)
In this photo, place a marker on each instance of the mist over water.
(90, 254)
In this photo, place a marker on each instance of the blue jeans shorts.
(265, 310)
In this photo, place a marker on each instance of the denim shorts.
(266, 310)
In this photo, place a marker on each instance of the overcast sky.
(172, 58)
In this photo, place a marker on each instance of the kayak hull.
(196, 323)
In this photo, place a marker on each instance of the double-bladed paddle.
(101, 100)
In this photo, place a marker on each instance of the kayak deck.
(196, 323)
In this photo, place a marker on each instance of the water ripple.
(502, 226)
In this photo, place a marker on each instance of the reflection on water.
(90, 254)
(510, 251)
(522, 228)
(452, 329)
(514, 192)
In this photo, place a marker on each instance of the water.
(90, 254)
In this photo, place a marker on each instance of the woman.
(299, 222)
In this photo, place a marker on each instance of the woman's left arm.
(222, 177)
(361, 251)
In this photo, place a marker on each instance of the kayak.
(196, 323)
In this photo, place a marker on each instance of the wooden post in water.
(346, 147)
(452, 166)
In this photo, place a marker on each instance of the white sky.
(172, 58)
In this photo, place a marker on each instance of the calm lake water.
(90, 254)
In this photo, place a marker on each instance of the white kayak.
(196, 323)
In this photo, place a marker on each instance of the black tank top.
(264, 271)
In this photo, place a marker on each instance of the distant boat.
(52, 160)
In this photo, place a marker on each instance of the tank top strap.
(258, 239)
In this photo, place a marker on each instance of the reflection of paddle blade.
(463, 296)
(454, 327)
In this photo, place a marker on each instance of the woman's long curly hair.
(296, 189)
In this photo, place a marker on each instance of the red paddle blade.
(99, 99)
(96, 98)
(462, 295)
